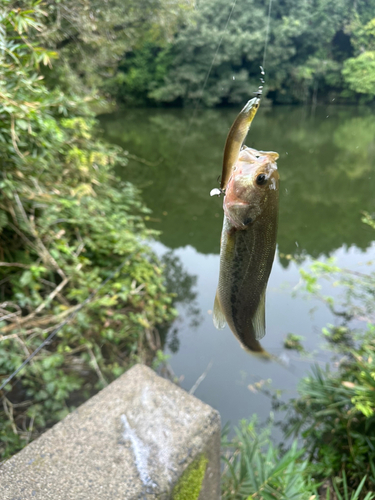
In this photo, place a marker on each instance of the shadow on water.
(326, 168)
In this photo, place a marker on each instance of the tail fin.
(257, 350)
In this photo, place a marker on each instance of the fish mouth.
(272, 155)
(251, 155)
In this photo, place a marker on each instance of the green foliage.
(359, 73)
(194, 50)
(92, 37)
(293, 342)
(255, 468)
(335, 414)
(367, 219)
(350, 495)
(335, 409)
(314, 51)
(66, 224)
(160, 359)
(139, 74)
(145, 52)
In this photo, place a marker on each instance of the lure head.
(252, 188)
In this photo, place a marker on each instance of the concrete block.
(141, 437)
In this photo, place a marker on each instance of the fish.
(236, 137)
(248, 240)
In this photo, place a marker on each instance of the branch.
(50, 297)
(42, 249)
(201, 378)
(6, 337)
(25, 319)
(13, 264)
(14, 137)
(142, 160)
(96, 367)
(25, 238)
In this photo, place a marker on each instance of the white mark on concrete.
(161, 418)
(164, 425)
(140, 450)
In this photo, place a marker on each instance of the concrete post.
(142, 437)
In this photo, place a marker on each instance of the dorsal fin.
(218, 316)
(259, 319)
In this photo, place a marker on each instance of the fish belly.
(246, 258)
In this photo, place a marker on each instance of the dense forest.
(161, 52)
(317, 50)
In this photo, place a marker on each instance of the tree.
(66, 225)
(359, 71)
(92, 36)
(215, 56)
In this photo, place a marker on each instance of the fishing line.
(217, 50)
(267, 31)
(207, 77)
(65, 322)
(213, 62)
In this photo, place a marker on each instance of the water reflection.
(326, 168)
(184, 287)
(327, 178)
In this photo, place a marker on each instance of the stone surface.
(133, 440)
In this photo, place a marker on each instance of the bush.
(335, 410)
(66, 224)
(335, 415)
(255, 468)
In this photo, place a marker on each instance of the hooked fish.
(248, 239)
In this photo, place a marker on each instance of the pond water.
(327, 172)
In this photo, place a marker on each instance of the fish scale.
(247, 249)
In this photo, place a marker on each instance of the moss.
(190, 483)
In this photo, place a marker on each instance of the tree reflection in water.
(326, 169)
(183, 285)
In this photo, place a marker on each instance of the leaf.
(26, 278)
(22, 124)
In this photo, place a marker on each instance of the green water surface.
(327, 171)
(326, 165)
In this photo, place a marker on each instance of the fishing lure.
(237, 135)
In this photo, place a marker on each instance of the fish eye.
(261, 180)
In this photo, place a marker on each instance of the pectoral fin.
(218, 316)
(259, 319)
